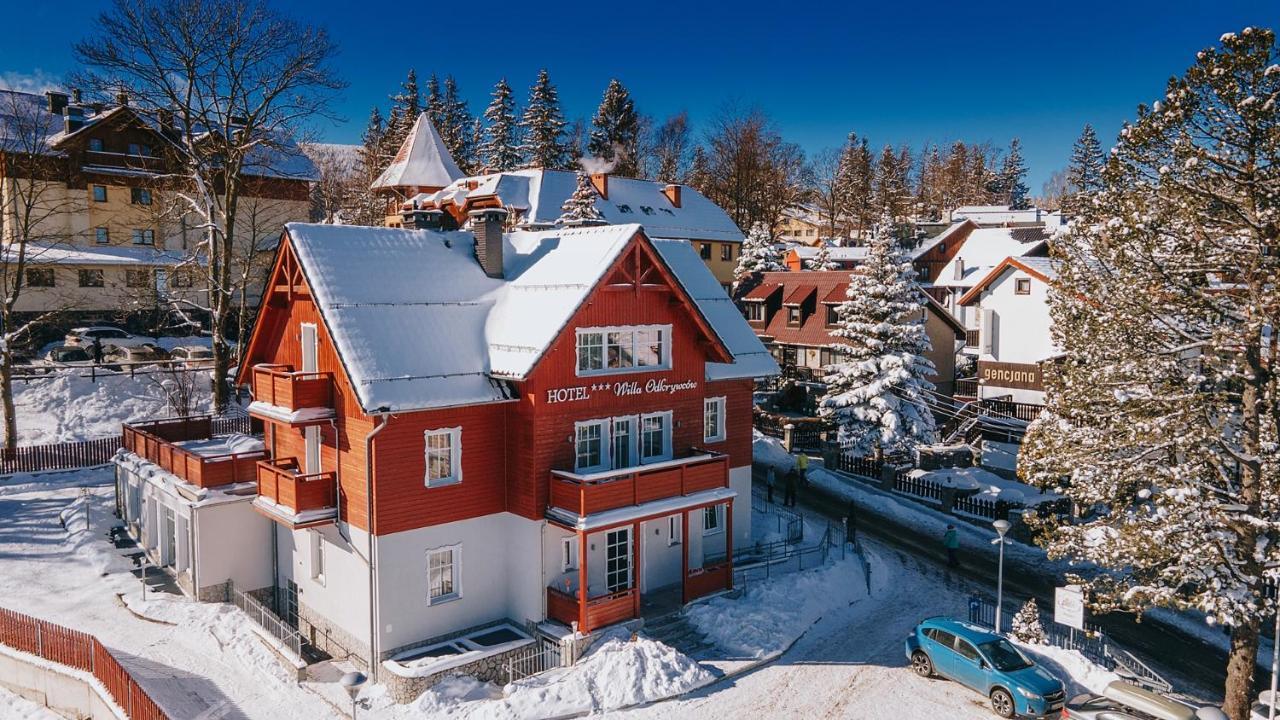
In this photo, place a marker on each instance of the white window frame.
(719, 403)
(455, 457)
(719, 520)
(318, 559)
(455, 572)
(633, 440)
(673, 530)
(755, 311)
(664, 361)
(568, 553)
(666, 415)
(606, 436)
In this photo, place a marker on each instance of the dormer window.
(833, 317)
(793, 315)
(755, 311)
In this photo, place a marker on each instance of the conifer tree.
(406, 105)
(892, 186)
(543, 126)
(1084, 172)
(455, 123)
(822, 259)
(757, 255)
(580, 207)
(367, 208)
(879, 397)
(434, 107)
(1026, 624)
(699, 171)
(471, 163)
(500, 150)
(1163, 415)
(1013, 177)
(615, 131)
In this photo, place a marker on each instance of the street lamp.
(1002, 527)
(351, 682)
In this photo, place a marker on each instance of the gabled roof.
(539, 196)
(799, 295)
(839, 253)
(957, 231)
(422, 161)
(983, 249)
(418, 324)
(762, 292)
(1041, 268)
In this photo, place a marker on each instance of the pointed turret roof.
(422, 161)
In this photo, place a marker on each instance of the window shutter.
(988, 331)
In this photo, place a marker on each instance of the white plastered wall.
(342, 596)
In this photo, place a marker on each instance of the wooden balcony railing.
(157, 442)
(584, 494)
(600, 611)
(280, 386)
(304, 497)
(972, 338)
(967, 387)
(708, 579)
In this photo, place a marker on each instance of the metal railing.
(264, 618)
(541, 656)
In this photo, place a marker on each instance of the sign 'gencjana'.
(624, 388)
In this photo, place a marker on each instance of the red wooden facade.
(513, 453)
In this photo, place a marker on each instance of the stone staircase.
(674, 629)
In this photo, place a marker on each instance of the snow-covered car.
(134, 355)
(62, 356)
(106, 334)
(192, 356)
(988, 663)
(1123, 701)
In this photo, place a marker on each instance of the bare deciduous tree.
(752, 172)
(240, 81)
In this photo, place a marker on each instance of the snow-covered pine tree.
(406, 105)
(757, 255)
(699, 172)
(615, 131)
(1013, 177)
(367, 208)
(1084, 171)
(822, 259)
(455, 122)
(471, 164)
(580, 207)
(879, 397)
(499, 151)
(1161, 417)
(1027, 626)
(433, 105)
(891, 190)
(543, 126)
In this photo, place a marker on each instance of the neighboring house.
(793, 313)
(111, 234)
(1001, 216)
(421, 165)
(470, 428)
(974, 252)
(803, 224)
(1011, 304)
(534, 199)
(797, 257)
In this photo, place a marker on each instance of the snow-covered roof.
(942, 237)
(1041, 268)
(472, 332)
(839, 254)
(19, 112)
(540, 194)
(422, 161)
(983, 250)
(997, 214)
(41, 253)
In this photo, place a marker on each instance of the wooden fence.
(81, 651)
(87, 453)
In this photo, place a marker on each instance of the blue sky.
(894, 72)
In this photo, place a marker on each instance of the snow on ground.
(66, 407)
(210, 660)
(1003, 456)
(16, 707)
(769, 451)
(616, 672)
(771, 614)
(989, 485)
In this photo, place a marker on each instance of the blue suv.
(988, 663)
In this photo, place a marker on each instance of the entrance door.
(624, 442)
(168, 537)
(617, 549)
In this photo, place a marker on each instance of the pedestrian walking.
(770, 478)
(851, 524)
(97, 351)
(802, 465)
(791, 480)
(951, 541)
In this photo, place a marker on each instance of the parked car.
(192, 356)
(986, 662)
(144, 353)
(1123, 701)
(109, 336)
(62, 356)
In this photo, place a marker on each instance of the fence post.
(39, 640)
(788, 436)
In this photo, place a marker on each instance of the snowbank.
(770, 615)
(67, 407)
(16, 707)
(989, 485)
(614, 674)
(1075, 671)
(769, 451)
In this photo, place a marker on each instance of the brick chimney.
(57, 101)
(673, 194)
(73, 118)
(486, 225)
(601, 183)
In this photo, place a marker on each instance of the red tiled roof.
(798, 294)
(838, 294)
(796, 286)
(761, 291)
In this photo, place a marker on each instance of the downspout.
(337, 481)
(192, 554)
(384, 420)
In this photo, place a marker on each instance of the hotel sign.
(1018, 376)
(621, 389)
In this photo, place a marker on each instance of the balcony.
(292, 498)
(190, 449)
(296, 398)
(972, 338)
(584, 494)
(600, 611)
